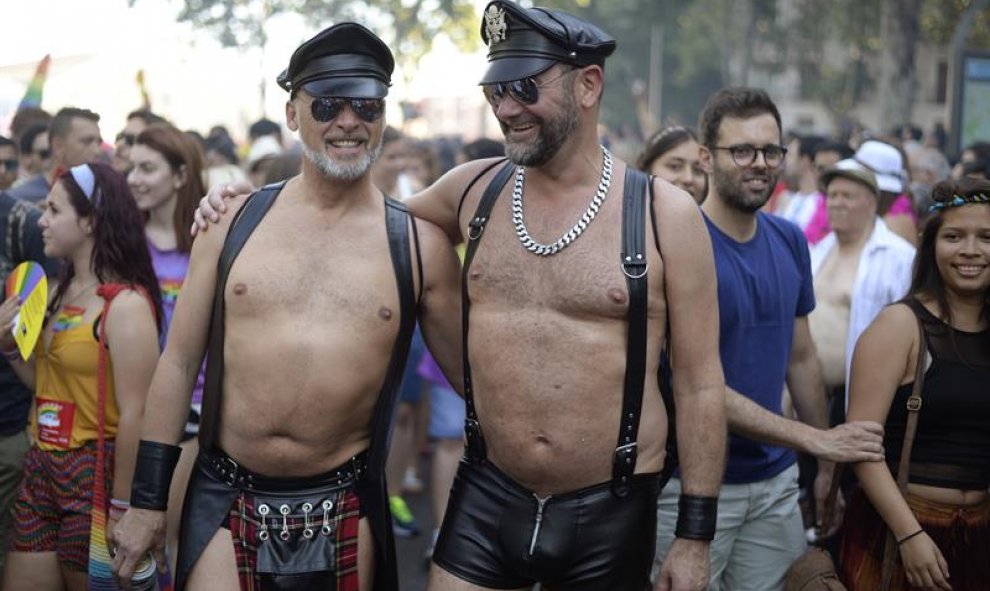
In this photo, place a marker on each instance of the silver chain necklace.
(571, 235)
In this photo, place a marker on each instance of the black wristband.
(696, 517)
(153, 474)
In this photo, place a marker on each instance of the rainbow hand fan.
(28, 281)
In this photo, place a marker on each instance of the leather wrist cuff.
(696, 517)
(153, 474)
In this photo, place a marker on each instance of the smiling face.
(152, 180)
(745, 188)
(680, 166)
(62, 230)
(534, 133)
(343, 148)
(962, 249)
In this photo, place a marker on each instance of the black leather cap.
(523, 42)
(345, 60)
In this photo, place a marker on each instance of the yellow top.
(67, 391)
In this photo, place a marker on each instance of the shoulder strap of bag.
(99, 574)
(890, 555)
(242, 226)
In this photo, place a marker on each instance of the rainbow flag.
(68, 317)
(36, 88)
(145, 100)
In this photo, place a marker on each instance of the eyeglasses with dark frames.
(326, 109)
(745, 154)
(526, 90)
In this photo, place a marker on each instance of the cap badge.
(495, 24)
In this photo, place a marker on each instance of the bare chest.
(834, 281)
(585, 280)
(315, 274)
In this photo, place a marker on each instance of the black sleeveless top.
(952, 445)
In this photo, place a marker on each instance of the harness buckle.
(635, 267)
(228, 468)
(914, 403)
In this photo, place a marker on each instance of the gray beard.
(340, 171)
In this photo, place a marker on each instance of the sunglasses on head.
(10, 165)
(327, 109)
(525, 90)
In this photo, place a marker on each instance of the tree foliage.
(407, 26)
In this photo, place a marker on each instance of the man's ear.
(291, 115)
(590, 85)
(705, 158)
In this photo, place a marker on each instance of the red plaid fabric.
(245, 527)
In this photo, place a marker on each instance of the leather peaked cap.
(523, 42)
(345, 60)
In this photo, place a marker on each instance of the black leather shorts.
(499, 535)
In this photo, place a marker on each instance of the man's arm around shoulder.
(440, 306)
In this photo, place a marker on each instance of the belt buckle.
(228, 468)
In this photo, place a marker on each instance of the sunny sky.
(98, 46)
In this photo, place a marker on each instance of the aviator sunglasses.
(525, 91)
(326, 109)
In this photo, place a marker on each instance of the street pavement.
(411, 551)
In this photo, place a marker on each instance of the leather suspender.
(476, 227)
(397, 221)
(634, 267)
(247, 220)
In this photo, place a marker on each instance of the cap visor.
(345, 87)
(515, 68)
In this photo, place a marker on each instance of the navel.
(240, 289)
(385, 313)
(617, 295)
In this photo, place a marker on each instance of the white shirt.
(800, 208)
(882, 277)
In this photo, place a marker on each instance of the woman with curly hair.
(940, 524)
(90, 371)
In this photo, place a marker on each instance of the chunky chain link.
(571, 235)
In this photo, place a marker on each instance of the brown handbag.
(814, 570)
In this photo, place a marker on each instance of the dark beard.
(729, 189)
(553, 134)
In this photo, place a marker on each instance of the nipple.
(385, 313)
(240, 289)
(617, 295)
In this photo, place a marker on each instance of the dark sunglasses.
(11, 165)
(525, 90)
(327, 109)
(128, 138)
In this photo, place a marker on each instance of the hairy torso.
(547, 343)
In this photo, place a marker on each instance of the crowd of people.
(656, 399)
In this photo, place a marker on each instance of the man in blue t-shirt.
(765, 293)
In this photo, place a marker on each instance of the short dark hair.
(263, 127)
(483, 148)
(844, 150)
(662, 142)
(147, 116)
(62, 122)
(31, 134)
(6, 141)
(26, 117)
(737, 102)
